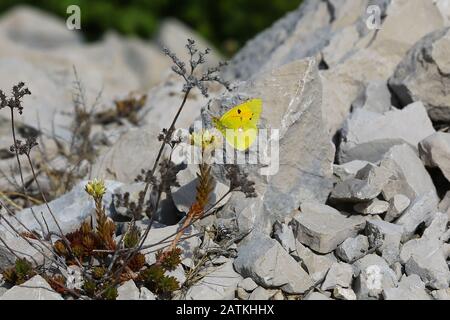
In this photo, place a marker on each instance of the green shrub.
(227, 24)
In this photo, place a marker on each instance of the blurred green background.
(228, 24)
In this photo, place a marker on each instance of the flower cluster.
(96, 189)
(196, 58)
(15, 101)
(24, 148)
(205, 139)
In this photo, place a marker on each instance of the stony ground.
(359, 208)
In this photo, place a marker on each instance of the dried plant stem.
(9, 248)
(147, 185)
(33, 245)
(175, 240)
(13, 128)
(19, 194)
(204, 214)
(66, 241)
(73, 292)
(201, 216)
(169, 134)
(116, 251)
(10, 201)
(125, 250)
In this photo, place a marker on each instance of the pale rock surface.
(34, 289)
(323, 228)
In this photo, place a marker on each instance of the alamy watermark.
(263, 150)
(73, 21)
(373, 21)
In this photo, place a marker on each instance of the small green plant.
(19, 273)
(157, 281)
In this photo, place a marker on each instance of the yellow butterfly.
(239, 124)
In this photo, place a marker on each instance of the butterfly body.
(239, 125)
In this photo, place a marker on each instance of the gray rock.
(316, 296)
(128, 291)
(340, 274)
(269, 265)
(442, 294)
(247, 284)
(353, 248)
(435, 152)
(159, 238)
(74, 277)
(386, 238)
(398, 269)
(444, 9)
(218, 283)
(30, 249)
(426, 256)
(368, 135)
(167, 213)
(373, 276)
(340, 44)
(34, 28)
(280, 43)
(219, 260)
(431, 271)
(133, 190)
(116, 163)
(423, 75)
(164, 99)
(373, 57)
(397, 205)
(278, 295)
(438, 230)
(261, 294)
(184, 195)
(375, 98)
(349, 169)
(366, 185)
(444, 205)
(2, 290)
(354, 190)
(34, 289)
(178, 274)
(421, 210)
(242, 294)
(344, 293)
(146, 294)
(285, 236)
(6, 257)
(372, 207)
(411, 177)
(409, 288)
(317, 265)
(323, 228)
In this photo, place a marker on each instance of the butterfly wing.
(241, 139)
(244, 115)
(255, 108)
(239, 124)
